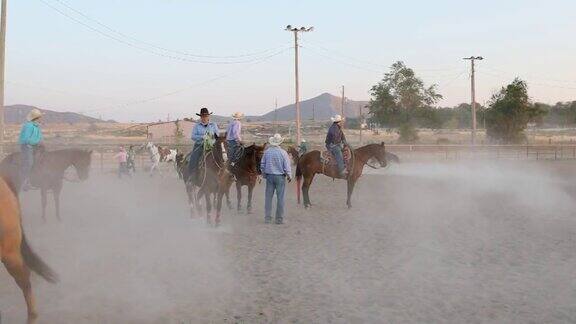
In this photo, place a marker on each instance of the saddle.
(329, 160)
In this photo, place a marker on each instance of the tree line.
(403, 102)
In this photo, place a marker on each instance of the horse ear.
(89, 152)
(382, 144)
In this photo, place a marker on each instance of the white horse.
(154, 156)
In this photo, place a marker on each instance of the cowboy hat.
(276, 140)
(337, 119)
(237, 115)
(204, 112)
(34, 114)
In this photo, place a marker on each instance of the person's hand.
(288, 178)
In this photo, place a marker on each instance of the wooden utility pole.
(360, 121)
(297, 91)
(2, 72)
(473, 94)
(343, 102)
(313, 112)
(276, 115)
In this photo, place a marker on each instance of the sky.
(145, 60)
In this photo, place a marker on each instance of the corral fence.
(103, 154)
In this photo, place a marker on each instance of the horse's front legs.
(208, 208)
(351, 184)
(239, 196)
(249, 203)
(44, 198)
(56, 192)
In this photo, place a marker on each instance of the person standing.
(122, 158)
(131, 160)
(302, 148)
(275, 166)
(335, 142)
(30, 139)
(234, 139)
(204, 134)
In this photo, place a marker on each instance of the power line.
(87, 17)
(171, 93)
(124, 42)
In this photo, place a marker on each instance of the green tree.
(509, 112)
(402, 101)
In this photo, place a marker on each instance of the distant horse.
(48, 171)
(167, 154)
(154, 156)
(246, 171)
(311, 164)
(213, 182)
(16, 254)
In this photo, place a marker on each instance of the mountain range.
(16, 114)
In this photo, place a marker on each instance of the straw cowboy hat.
(34, 114)
(276, 140)
(337, 119)
(237, 115)
(204, 112)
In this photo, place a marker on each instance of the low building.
(172, 132)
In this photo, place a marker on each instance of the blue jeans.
(27, 161)
(275, 183)
(195, 157)
(336, 150)
(233, 150)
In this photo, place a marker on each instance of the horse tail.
(36, 264)
(298, 180)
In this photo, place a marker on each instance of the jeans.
(195, 157)
(233, 150)
(275, 183)
(27, 161)
(336, 150)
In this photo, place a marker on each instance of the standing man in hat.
(234, 139)
(30, 139)
(335, 142)
(275, 166)
(204, 134)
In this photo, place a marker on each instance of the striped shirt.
(275, 161)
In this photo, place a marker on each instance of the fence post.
(102, 160)
(555, 153)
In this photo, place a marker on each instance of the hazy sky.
(143, 69)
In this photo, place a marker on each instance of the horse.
(246, 172)
(293, 152)
(167, 155)
(154, 156)
(48, 172)
(16, 254)
(311, 164)
(213, 183)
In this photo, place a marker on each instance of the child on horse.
(204, 134)
(335, 143)
(234, 140)
(30, 140)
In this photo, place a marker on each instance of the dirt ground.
(424, 243)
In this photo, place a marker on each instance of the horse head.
(82, 161)
(378, 152)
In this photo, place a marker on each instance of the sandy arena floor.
(424, 243)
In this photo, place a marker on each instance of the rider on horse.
(30, 140)
(233, 140)
(335, 142)
(302, 148)
(204, 134)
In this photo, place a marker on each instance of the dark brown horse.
(16, 254)
(246, 171)
(311, 164)
(293, 152)
(48, 171)
(213, 182)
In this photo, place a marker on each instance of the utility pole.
(473, 91)
(343, 102)
(313, 112)
(276, 115)
(296, 30)
(360, 121)
(2, 70)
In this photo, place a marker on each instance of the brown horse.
(246, 171)
(48, 171)
(293, 152)
(16, 254)
(213, 183)
(311, 164)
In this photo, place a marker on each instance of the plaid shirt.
(275, 161)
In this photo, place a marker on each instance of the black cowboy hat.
(204, 112)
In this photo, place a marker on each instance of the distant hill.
(321, 108)
(16, 114)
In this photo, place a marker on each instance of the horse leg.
(228, 203)
(43, 196)
(249, 203)
(56, 193)
(351, 184)
(191, 200)
(21, 274)
(239, 196)
(219, 195)
(305, 189)
(208, 208)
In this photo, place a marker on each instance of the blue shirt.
(275, 161)
(30, 134)
(233, 131)
(200, 130)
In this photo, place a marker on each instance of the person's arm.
(196, 133)
(343, 137)
(330, 136)
(24, 134)
(216, 130)
(263, 164)
(239, 132)
(286, 165)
